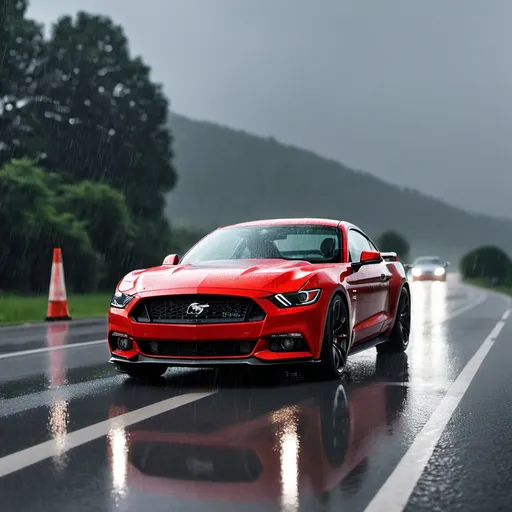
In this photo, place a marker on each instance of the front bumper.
(211, 362)
(308, 321)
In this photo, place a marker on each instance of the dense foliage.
(85, 153)
(489, 263)
(22, 49)
(391, 241)
(32, 223)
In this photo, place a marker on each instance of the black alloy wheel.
(339, 335)
(399, 339)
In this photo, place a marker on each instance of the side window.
(245, 254)
(357, 243)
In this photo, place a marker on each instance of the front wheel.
(336, 340)
(399, 339)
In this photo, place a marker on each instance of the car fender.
(338, 290)
(394, 299)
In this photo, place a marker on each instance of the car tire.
(336, 340)
(399, 339)
(143, 371)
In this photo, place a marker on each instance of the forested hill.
(228, 176)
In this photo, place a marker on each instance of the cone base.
(57, 318)
(58, 310)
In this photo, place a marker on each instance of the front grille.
(197, 348)
(197, 309)
(195, 462)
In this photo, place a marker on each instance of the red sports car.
(272, 292)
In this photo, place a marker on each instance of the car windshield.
(427, 261)
(312, 243)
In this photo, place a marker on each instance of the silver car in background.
(429, 268)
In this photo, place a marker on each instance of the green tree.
(104, 119)
(153, 242)
(487, 262)
(391, 241)
(21, 53)
(182, 239)
(31, 226)
(109, 225)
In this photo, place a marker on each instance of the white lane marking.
(506, 315)
(23, 403)
(24, 458)
(48, 349)
(396, 491)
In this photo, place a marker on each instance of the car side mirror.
(367, 258)
(447, 264)
(171, 259)
(408, 266)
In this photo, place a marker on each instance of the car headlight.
(120, 299)
(439, 271)
(416, 272)
(301, 298)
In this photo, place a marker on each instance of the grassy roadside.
(15, 309)
(485, 283)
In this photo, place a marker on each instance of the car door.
(381, 287)
(368, 289)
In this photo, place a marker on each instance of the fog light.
(287, 343)
(121, 341)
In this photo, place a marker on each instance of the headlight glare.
(416, 272)
(300, 298)
(120, 300)
(439, 271)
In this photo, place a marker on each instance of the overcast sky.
(418, 92)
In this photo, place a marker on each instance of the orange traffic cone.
(57, 299)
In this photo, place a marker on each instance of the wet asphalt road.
(216, 442)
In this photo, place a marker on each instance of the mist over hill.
(227, 176)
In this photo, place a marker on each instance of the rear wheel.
(399, 339)
(336, 340)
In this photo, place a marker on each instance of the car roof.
(291, 222)
(426, 259)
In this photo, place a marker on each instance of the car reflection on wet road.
(303, 441)
(75, 436)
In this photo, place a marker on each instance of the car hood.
(261, 275)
